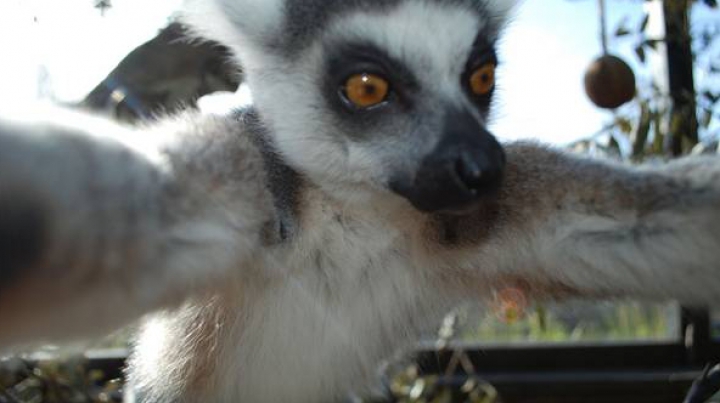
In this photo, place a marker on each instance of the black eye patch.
(353, 58)
(481, 55)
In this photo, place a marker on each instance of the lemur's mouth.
(466, 166)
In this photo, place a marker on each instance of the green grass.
(601, 322)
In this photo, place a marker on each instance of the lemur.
(285, 249)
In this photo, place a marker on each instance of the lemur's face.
(374, 96)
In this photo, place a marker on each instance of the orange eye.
(482, 80)
(366, 90)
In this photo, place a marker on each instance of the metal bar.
(697, 335)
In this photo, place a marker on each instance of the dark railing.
(656, 372)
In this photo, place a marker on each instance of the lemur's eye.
(482, 80)
(366, 90)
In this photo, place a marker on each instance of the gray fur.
(23, 233)
(305, 20)
(99, 212)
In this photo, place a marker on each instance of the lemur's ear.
(239, 24)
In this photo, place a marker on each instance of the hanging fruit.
(609, 82)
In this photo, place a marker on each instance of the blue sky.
(544, 55)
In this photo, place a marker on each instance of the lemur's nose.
(468, 171)
(467, 164)
(478, 169)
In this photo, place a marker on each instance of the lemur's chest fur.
(338, 293)
(337, 302)
(341, 290)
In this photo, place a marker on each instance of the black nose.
(469, 171)
(467, 164)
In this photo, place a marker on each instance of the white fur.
(324, 328)
(239, 24)
(433, 41)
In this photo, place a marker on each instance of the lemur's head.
(373, 96)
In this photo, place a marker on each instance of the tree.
(673, 114)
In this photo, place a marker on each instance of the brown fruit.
(609, 82)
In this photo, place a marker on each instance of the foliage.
(406, 384)
(571, 322)
(646, 127)
(66, 380)
(577, 321)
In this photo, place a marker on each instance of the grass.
(578, 321)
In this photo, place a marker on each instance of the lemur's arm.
(563, 225)
(97, 230)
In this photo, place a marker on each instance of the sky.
(70, 42)
(544, 54)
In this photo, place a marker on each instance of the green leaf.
(652, 43)
(640, 52)
(710, 97)
(644, 23)
(624, 125)
(621, 31)
(706, 117)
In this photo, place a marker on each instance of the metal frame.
(630, 372)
